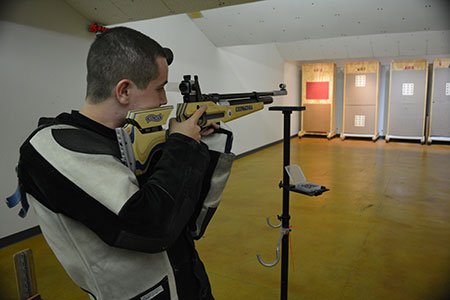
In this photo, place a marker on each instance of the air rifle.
(142, 137)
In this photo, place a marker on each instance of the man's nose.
(163, 99)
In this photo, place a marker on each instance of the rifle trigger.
(203, 120)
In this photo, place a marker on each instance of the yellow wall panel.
(362, 67)
(414, 64)
(441, 63)
(318, 118)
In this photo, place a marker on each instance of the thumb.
(172, 120)
(172, 124)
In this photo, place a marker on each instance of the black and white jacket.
(116, 235)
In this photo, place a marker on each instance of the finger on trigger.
(199, 112)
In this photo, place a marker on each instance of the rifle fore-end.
(216, 113)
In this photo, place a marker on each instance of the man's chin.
(145, 108)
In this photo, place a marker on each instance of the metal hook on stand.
(283, 231)
(271, 225)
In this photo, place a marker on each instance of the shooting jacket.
(116, 235)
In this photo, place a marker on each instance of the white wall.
(293, 80)
(43, 46)
(256, 68)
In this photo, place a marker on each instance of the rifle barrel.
(265, 100)
(248, 95)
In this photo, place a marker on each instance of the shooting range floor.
(381, 232)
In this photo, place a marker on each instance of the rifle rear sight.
(190, 89)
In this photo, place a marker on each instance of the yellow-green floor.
(381, 232)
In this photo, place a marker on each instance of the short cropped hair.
(120, 53)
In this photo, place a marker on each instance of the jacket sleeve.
(80, 181)
(174, 187)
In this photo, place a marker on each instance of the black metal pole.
(285, 216)
(287, 111)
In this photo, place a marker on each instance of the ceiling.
(296, 20)
(301, 29)
(108, 12)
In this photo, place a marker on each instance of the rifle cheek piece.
(142, 137)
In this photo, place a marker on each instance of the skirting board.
(20, 236)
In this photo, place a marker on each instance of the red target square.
(317, 90)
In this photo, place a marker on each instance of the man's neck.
(104, 113)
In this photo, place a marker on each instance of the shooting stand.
(287, 187)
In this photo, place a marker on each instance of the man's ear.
(122, 91)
